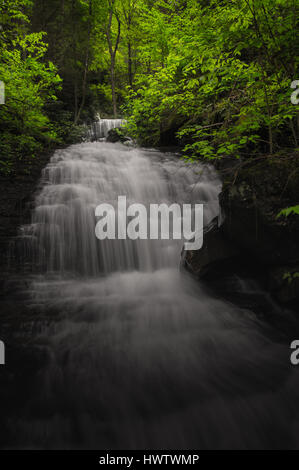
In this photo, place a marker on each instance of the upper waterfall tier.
(99, 129)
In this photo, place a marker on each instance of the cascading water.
(139, 355)
(101, 127)
(81, 177)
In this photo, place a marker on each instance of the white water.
(101, 127)
(141, 356)
(83, 176)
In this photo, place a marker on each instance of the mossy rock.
(117, 135)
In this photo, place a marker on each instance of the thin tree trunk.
(112, 51)
(78, 113)
(112, 74)
(76, 99)
(130, 71)
(86, 66)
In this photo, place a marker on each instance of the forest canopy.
(211, 76)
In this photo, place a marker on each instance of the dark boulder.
(251, 205)
(251, 223)
(117, 135)
(253, 242)
(216, 255)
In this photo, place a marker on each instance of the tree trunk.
(130, 71)
(86, 67)
(112, 51)
(78, 113)
(112, 74)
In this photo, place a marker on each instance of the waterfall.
(81, 177)
(101, 127)
(139, 355)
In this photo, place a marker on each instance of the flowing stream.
(138, 354)
(100, 128)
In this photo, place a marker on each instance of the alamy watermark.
(294, 358)
(2, 92)
(159, 221)
(149, 459)
(2, 353)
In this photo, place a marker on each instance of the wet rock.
(251, 204)
(284, 283)
(117, 135)
(253, 242)
(251, 224)
(16, 191)
(216, 255)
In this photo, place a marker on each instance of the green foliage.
(289, 211)
(224, 76)
(30, 83)
(290, 277)
(214, 75)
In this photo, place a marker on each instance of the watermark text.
(159, 221)
(2, 353)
